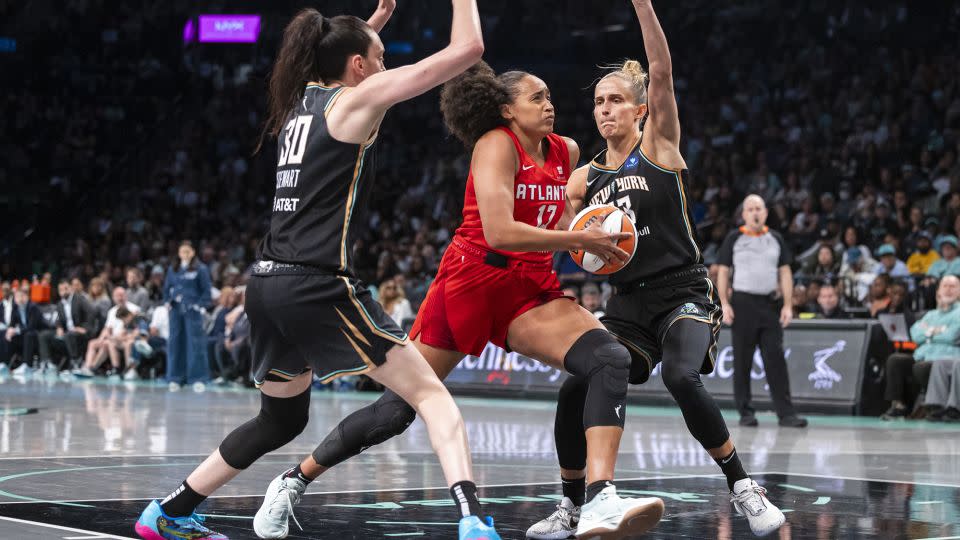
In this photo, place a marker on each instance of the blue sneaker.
(155, 525)
(471, 528)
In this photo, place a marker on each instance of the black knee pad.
(279, 422)
(568, 423)
(606, 365)
(383, 419)
(679, 378)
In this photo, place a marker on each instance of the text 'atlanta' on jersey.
(323, 186)
(654, 198)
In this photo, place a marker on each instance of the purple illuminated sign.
(229, 28)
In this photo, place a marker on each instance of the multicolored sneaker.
(471, 528)
(155, 525)
(559, 525)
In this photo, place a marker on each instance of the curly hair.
(471, 102)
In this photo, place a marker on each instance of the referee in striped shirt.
(759, 261)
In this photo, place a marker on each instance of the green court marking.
(928, 502)
(941, 538)
(412, 523)
(681, 496)
(786, 510)
(822, 500)
(371, 506)
(18, 411)
(225, 516)
(406, 534)
(797, 488)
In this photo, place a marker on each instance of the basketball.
(612, 220)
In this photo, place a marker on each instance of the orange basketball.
(612, 220)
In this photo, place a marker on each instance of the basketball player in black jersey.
(309, 315)
(664, 307)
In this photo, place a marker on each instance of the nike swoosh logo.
(725, 461)
(527, 167)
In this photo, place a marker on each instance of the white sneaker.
(272, 519)
(131, 375)
(219, 381)
(23, 370)
(750, 500)
(558, 525)
(608, 516)
(4, 369)
(83, 372)
(173, 386)
(199, 387)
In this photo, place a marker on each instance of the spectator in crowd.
(947, 263)
(113, 339)
(899, 297)
(828, 303)
(187, 293)
(890, 264)
(77, 285)
(937, 336)
(22, 334)
(100, 300)
(237, 342)
(799, 299)
(136, 292)
(76, 323)
(826, 266)
(591, 299)
(155, 285)
(6, 322)
(394, 302)
(943, 392)
(923, 257)
(879, 297)
(150, 346)
(217, 334)
(858, 275)
(851, 240)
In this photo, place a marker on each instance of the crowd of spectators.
(855, 154)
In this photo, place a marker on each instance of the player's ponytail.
(472, 102)
(314, 48)
(631, 72)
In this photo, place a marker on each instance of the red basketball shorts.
(472, 301)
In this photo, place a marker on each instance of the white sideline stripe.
(70, 529)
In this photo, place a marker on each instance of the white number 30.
(295, 140)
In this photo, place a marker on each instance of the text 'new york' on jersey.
(322, 188)
(654, 198)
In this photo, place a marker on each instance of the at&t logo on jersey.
(632, 162)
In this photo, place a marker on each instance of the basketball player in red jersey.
(496, 284)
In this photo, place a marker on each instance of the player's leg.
(375, 423)
(562, 334)
(284, 410)
(684, 347)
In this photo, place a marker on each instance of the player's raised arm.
(661, 101)
(379, 91)
(382, 15)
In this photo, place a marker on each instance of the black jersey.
(655, 200)
(322, 189)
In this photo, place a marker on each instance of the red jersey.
(539, 197)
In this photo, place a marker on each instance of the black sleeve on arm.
(786, 257)
(725, 257)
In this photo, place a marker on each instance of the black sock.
(296, 471)
(732, 468)
(574, 489)
(182, 502)
(595, 488)
(465, 495)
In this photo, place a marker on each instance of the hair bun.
(635, 71)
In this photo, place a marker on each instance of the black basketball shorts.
(640, 314)
(322, 322)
